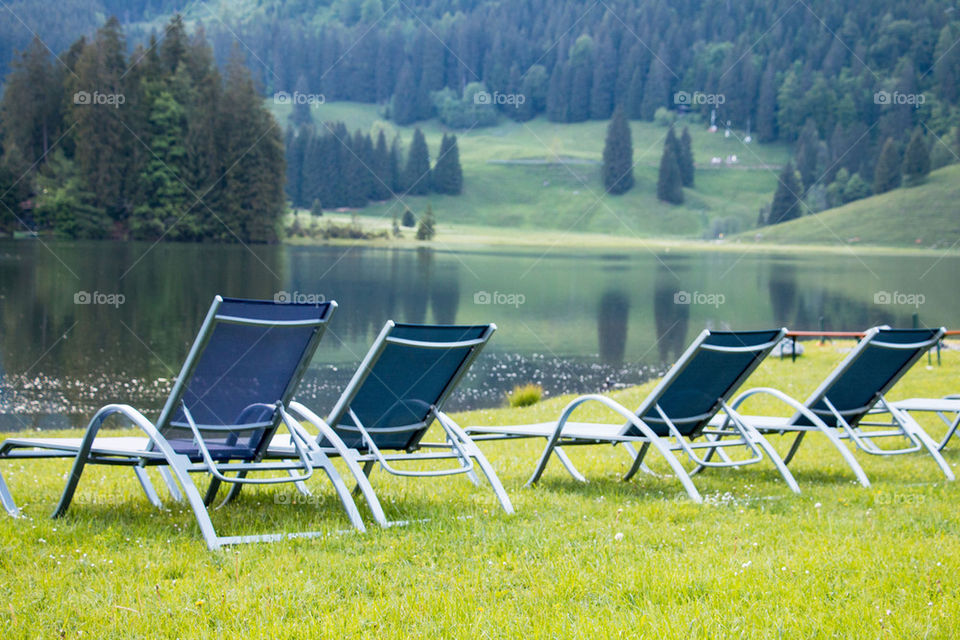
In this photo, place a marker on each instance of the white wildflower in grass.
(746, 564)
(618, 537)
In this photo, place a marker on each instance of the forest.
(844, 83)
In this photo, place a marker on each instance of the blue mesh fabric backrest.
(869, 372)
(405, 381)
(692, 390)
(241, 373)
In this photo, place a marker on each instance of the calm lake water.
(573, 321)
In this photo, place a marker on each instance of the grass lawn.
(603, 559)
(544, 175)
(922, 216)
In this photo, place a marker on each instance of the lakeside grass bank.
(603, 559)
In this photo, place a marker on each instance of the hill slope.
(924, 216)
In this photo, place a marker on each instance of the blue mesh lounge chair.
(227, 403)
(854, 390)
(946, 408)
(673, 416)
(396, 394)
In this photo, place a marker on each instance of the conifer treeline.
(330, 166)
(155, 145)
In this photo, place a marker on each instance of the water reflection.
(589, 321)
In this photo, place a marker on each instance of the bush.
(524, 395)
(408, 219)
(664, 117)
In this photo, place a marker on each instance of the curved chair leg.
(678, 470)
(847, 456)
(343, 492)
(8, 504)
(915, 430)
(492, 477)
(364, 487)
(568, 464)
(171, 484)
(778, 462)
(794, 447)
(148, 489)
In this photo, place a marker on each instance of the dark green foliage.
(151, 146)
(787, 198)
(14, 190)
(685, 159)
(447, 173)
(916, 160)
(316, 209)
(617, 170)
(669, 180)
(409, 220)
(416, 172)
(426, 230)
(886, 176)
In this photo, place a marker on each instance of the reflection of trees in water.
(783, 293)
(612, 320)
(167, 292)
(671, 319)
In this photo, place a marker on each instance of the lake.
(86, 323)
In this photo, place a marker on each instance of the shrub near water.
(524, 395)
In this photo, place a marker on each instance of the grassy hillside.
(541, 174)
(924, 216)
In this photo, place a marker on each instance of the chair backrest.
(410, 369)
(710, 371)
(881, 358)
(248, 356)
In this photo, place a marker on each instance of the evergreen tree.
(417, 170)
(381, 169)
(786, 199)
(31, 115)
(406, 104)
(63, 203)
(163, 208)
(396, 173)
(447, 173)
(656, 89)
(604, 80)
(669, 181)
(102, 140)
(426, 230)
(14, 189)
(558, 94)
(685, 159)
(916, 160)
(409, 220)
(617, 170)
(316, 209)
(886, 176)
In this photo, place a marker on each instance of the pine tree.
(685, 159)
(617, 170)
(409, 220)
(656, 89)
(64, 205)
(886, 176)
(31, 114)
(916, 160)
(381, 169)
(14, 189)
(316, 209)
(786, 199)
(669, 182)
(417, 170)
(163, 208)
(558, 94)
(447, 173)
(427, 228)
(396, 173)
(406, 105)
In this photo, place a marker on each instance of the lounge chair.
(675, 414)
(227, 403)
(854, 390)
(946, 408)
(396, 394)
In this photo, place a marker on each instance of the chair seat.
(127, 446)
(929, 404)
(579, 430)
(758, 422)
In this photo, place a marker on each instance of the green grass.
(753, 561)
(544, 175)
(923, 216)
